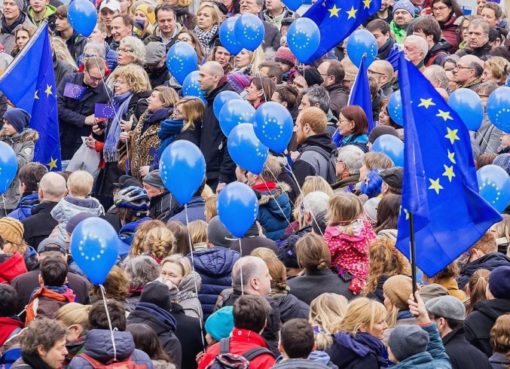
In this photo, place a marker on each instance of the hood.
(300, 364)
(153, 312)
(493, 308)
(441, 45)
(321, 357)
(70, 206)
(215, 262)
(29, 200)
(489, 261)
(189, 282)
(323, 140)
(98, 344)
(25, 136)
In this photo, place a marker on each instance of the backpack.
(331, 158)
(125, 364)
(227, 360)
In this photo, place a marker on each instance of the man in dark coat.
(189, 333)
(332, 72)
(78, 95)
(272, 34)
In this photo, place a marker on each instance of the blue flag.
(29, 83)
(360, 93)
(440, 187)
(337, 19)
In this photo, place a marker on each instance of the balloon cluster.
(494, 186)
(241, 32)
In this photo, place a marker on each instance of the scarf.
(158, 313)
(206, 37)
(61, 294)
(35, 361)
(362, 344)
(10, 29)
(110, 152)
(152, 118)
(168, 132)
(399, 33)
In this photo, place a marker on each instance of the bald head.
(252, 274)
(382, 71)
(210, 75)
(415, 48)
(52, 187)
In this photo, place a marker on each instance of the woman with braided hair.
(154, 239)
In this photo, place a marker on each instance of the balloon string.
(193, 269)
(101, 287)
(4, 206)
(241, 266)
(275, 200)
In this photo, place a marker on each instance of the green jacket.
(49, 14)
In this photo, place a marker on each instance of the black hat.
(126, 181)
(158, 294)
(393, 178)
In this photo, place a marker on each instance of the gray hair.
(141, 270)
(250, 266)
(319, 97)
(420, 42)
(138, 48)
(437, 76)
(352, 156)
(53, 185)
(316, 202)
(480, 22)
(97, 47)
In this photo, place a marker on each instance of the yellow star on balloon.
(444, 114)
(435, 185)
(366, 4)
(426, 103)
(36, 95)
(52, 164)
(48, 91)
(451, 157)
(452, 135)
(352, 13)
(448, 172)
(333, 12)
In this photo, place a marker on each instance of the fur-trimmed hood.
(265, 196)
(27, 135)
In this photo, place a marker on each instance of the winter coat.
(11, 266)
(489, 262)
(434, 358)
(481, 52)
(70, 206)
(312, 284)
(23, 145)
(72, 112)
(46, 300)
(163, 207)
(449, 31)
(289, 306)
(438, 53)
(189, 333)
(310, 162)
(479, 323)
(98, 345)
(275, 209)
(187, 295)
(499, 361)
(251, 241)
(40, 224)
(8, 34)
(215, 267)
(196, 211)
(9, 326)
(24, 208)
(357, 352)
(462, 354)
(299, 364)
(163, 324)
(487, 137)
(338, 97)
(272, 37)
(49, 15)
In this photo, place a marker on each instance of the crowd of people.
(317, 281)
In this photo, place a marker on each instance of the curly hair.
(116, 286)
(41, 332)
(141, 270)
(500, 335)
(136, 47)
(136, 78)
(153, 238)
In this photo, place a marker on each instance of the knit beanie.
(158, 294)
(217, 233)
(11, 230)
(238, 81)
(148, 11)
(220, 324)
(406, 5)
(285, 56)
(312, 76)
(398, 289)
(407, 340)
(154, 179)
(18, 118)
(499, 282)
(503, 161)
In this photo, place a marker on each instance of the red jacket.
(12, 267)
(241, 341)
(7, 326)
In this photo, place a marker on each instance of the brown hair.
(485, 159)
(312, 252)
(500, 335)
(41, 332)
(181, 237)
(358, 116)
(450, 271)
(288, 94)
(344, 208)
(266, 84)
(377, 160)
(276, 269)
(476, 287)
(116, 286)
(487, 244)
(167, 95)
(315, 118)
(388, 212)
(153, 238)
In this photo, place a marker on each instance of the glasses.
(376, 73)
(439, 8)
(95, 79)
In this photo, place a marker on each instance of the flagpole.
(412, 249)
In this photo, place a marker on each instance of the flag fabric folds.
(104, 111)
(360, 93)
(440, 186)
(337, 19)
(29, 83)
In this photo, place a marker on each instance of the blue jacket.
(215, 267)
(24, 208)
(434, 358)
(126, 235)
(196, 211)
(98, 345)
(270, 217)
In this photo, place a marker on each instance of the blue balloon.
(273, 126)
(468, 105)
(498, 108)
(303, 38)
(221, 99)
(237, 208)
(293, 4)
(362, 43)
(235, 112)
(95, 248)
(245, 149)
(494, 186)
(249, 31)
(391, 146)
(181, 60)
(8, 166)
(182, 169)
(191, 87)
(395, 108)
(228, 37)
(82, 16)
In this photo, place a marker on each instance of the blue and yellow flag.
(360, 93)
(29, 83)
(440, 187)
(337, 19)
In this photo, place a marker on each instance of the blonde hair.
(216, 14)
(362, 312)
(500, 335)
(137, 49)
(74, 313)
(180, 3)
(311, 184)
(136, 77)
(179, 260)
(80, 183)
(276, 268)
(211, 207)
(377, 160)
(498, 67)
(193, 110)
(198, 232)
(155, 237)
(326, 312)
(344, 208)
(167, 95)
(61, 51)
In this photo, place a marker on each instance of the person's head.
(344, 208)
(11, 233)
(499, 286)
(397, 290)
(349, 161)
(99, 319)
(29, 177)
(46, 339)
(222, 56)
(495, 69)
(477, 33)
(210, 74)
(198, 232)
(428, 28)
(382, 71)
(316, 96)
(366, 316)
(485, 245)
(146, 340)
(388, 212)
(500, 335)
(208, 15)
(477, 287)
(93, 49)
(75, 317)
(191, 110)
(492, 13)
(332, 72)
(437, 76)
(22, 35)
(12, 9)
(162, 97)
(326, 313)
(141, 270)
(276, 268)
(152, 238)
(52, 187)
(251, 271)
(166, 19)
(15, 121)
(131, 50)
(181, 237)
(131, 203)
(80, 183)
(143, 15)
(403, 13)
(286, 95)
(442, 10)
(448, 312)
(122, 26)
(116, 286)
(93, 71)
(38, 6)
(260, 90)
(251, 313)
(468, 69)
(313, 253)
(380, 30)
(108, 10)
(219, 324)
(8, 301)
(271, 70)
(352, 121)
(174, 268)
(415, 49)
(190, 38)
(312, 205)
(310, 121)
(275, 6)
(53, 272)
(296, 339)
(129, 78)
(305, 78)
(374, 161)
(406, 341)
(251, 6)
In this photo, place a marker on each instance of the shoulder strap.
(224, 346)
(95, 364)
(319, 150)
(253, 353)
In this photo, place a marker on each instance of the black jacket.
(312, 163)
(338, 97)
(489, 262)
(251, 241)
(437, 53)
(190, 336)
(481, 52)
(290, 307)
(478, 324)
(462, 354)
(72, 113)
(39, 225)
(272, 36)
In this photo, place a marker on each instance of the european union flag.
(440, 188)
(29, 83)
(337, 19)
(360, 93)
(104, 111)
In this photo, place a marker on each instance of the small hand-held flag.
(104, 111)
(440, 190)
(360, 93)
(29, 83)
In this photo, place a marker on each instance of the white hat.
(113, 5)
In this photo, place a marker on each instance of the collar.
(246, 335)
(264, 186)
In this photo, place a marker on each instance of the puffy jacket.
(215, 267)
(489, 262)
(196, 211)
(271, 204)
(24, 208)
(70, 206)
